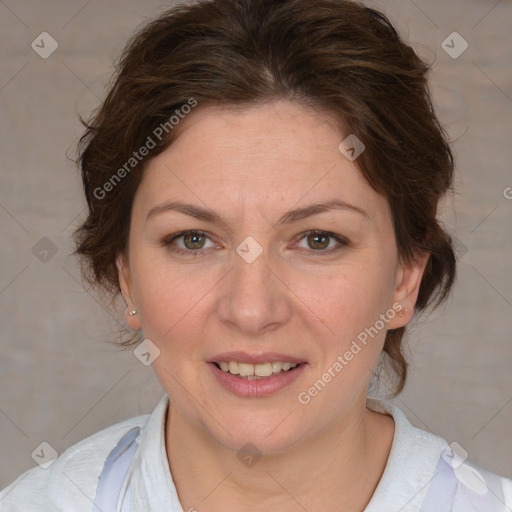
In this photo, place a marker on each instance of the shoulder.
(424, 468)
(69, 483)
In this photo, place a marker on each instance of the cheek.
(175, 317)
(334, 300)
(350, 336)
(175, 303)
(344, 299)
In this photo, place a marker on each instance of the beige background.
(62, 381)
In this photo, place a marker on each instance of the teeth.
(245, 369)
(263, 369)
(277, 367)
(255, 371)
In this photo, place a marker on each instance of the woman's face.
(254, 286)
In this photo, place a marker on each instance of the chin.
(266, 434)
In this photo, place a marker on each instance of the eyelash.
(168, 242)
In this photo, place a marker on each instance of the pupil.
(317, 241)
(193, 239)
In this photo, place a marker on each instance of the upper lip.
(255, 358)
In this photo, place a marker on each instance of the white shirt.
(70, 482)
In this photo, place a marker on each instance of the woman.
(263, 181)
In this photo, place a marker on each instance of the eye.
(190, 242)
(322, 241)
(193, 242)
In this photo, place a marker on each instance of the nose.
(253, 299)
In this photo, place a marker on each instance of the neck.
(338, 468)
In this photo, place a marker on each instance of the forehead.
(281, 151)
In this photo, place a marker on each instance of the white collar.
(411, 463)
(410, 467)
(152, 487)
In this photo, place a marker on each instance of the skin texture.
(252, 166)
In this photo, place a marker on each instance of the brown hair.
(336, 55)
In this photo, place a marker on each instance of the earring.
(402, 312)
(134, 312)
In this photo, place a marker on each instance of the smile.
(255, 371)
(252, 377)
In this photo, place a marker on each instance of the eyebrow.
(208, 215)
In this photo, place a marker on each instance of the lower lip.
(256, 387)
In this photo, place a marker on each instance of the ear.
(125, 283)
(407, 287)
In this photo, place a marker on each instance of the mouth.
(251, 371)
(257, 375)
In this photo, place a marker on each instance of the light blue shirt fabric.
(71, 483)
